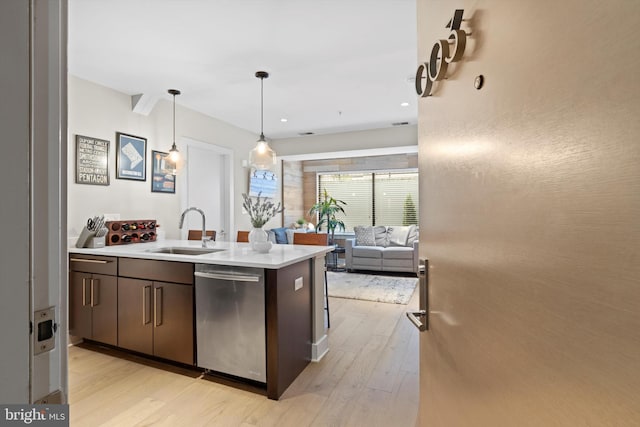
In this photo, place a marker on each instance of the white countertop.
(236, 254)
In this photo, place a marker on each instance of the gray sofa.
(381, 248)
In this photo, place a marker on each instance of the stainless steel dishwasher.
(230, 320)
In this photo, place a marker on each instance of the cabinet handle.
(157, 307)
(145, 305)
(92, 261)
(95, 293)
(84, 291)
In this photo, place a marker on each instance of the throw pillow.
(398, 235)
(281, 235)
(413, 235)
(380, 233)
(364, 236)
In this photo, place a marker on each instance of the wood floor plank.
(368, 378)
(333, 371)
(135, 414)
(340, 402)
(295, 411)
(387, 373)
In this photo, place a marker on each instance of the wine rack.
(131, 231)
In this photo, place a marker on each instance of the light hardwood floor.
(368, 378)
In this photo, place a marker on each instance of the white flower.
(260, 210)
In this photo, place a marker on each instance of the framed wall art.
(131, 157)
(163, 178)
(92, 160)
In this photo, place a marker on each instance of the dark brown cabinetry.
(289, 333)
(93, 298)
(156, 317)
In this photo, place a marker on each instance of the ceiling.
(335, 65)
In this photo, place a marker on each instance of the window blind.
(380, 198)
(396, 197)
(355, 190)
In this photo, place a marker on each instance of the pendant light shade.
(174, 154)
(262, 156)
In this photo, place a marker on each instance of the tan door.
(530, 216)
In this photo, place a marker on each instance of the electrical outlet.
(298, 284)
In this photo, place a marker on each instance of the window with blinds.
(374, 198)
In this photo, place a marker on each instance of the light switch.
(298, 284)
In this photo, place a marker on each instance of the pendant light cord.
(261, 107)
(262, 75)
(174, 119)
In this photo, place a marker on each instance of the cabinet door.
(79, 305)
(173, 322)
(104, 303)
(135, 317)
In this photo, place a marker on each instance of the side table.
(333, 264)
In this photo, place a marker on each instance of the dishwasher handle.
(228, 276)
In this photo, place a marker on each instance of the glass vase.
(259, 240)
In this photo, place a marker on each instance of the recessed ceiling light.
(284, 120)
(404, 104)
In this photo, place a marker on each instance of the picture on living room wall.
(131, 157)
(163, 178)
(263, 183)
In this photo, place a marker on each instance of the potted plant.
(327, 208)
(260, 210)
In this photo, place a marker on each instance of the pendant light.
(262, 157)
(174, 154)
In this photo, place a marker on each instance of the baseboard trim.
(319, 349)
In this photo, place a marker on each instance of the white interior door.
(208, 187)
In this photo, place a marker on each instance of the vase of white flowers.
(260, 210)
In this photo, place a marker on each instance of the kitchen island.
(141, 297)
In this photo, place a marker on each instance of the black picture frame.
(131, 157)
(163, 178)
(92, 160)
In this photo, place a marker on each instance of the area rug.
(371, 287)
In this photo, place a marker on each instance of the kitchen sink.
(181, 250)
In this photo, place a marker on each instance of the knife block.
(84, 237)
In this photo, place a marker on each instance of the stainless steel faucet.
(205, 239)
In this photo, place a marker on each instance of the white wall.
(400, 136)
(100, 112)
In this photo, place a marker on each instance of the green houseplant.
(327, 208)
